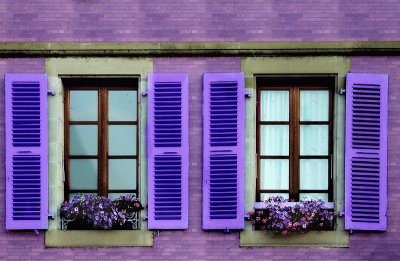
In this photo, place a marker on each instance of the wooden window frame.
(103, 86)
(294, 85)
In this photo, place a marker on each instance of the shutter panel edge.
(360, 222)
(184, 151)
(238, 222)
(23, 221)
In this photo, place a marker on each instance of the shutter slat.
(168, 152)
(26, 151)
(366, 151)
(223, 151)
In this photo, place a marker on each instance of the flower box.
(89, 212)
(284, 218)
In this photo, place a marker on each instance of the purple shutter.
(223, 150)
(168, 150)
(26, 136)
(366, 151)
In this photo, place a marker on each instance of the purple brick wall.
(195, 244)
(199, 20)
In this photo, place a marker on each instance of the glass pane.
(83, 106)
(314, 105)
(122, 105)
(122, 140)
(274, 174)
(274, 106)
(314, 140)
(266, 196)
(122, 174)
(113, 196)
(314, 174)
(274, 140)
(314, 196)
(83, 173)
(83, 139)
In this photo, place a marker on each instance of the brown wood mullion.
(83, 157)
(83, 122)
(294, 191)
(122, 157)
(66, 145)
(103, 142)
(330, 144)
(274, 191)
(274, 122)
(258, 187)
(122, 123)
(314, 122)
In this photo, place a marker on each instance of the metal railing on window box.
(131, 223)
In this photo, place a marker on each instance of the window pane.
(314, 196)
(274, 174)
(83, 139)
(122, 105)
(113, 196)
(274, 106)
(314, 105)
(274, 140)
(266, 196)
(83, 106)
(83, 173)
(314, 174)
(122, 140)
(122, 174)
(314, 140)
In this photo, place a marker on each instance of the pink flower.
(284, 233)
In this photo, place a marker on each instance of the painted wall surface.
(195, 244)
(198, 20)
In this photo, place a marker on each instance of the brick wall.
(198, 20)
(195, 244)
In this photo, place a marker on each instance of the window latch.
(248, 93)
(51, 92)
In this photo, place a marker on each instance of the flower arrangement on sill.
(97, 212)
(285, 220)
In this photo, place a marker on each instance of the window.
(101, 137)
(294, 138)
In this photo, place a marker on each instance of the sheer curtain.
(274, 140)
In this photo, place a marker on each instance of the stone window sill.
(113, 238)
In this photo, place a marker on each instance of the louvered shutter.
(223, 150)
(26, 136)
(366, 151)
(168, 150)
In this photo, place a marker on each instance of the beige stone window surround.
(331, 66)
(56, 68)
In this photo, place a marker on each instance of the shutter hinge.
(51, 92)
(144, 93)
(247, 217)
(342, 91)
(340, 213)
(248, 93)
(51, 215)
(145, 218)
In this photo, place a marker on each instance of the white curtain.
(314, 105)
(314, 174)
(275, 105)
(274, 174)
